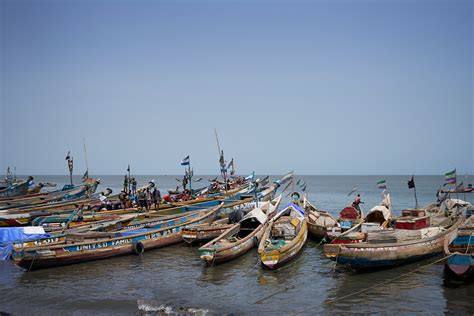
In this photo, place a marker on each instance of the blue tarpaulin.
(10, 235)
(135, 231)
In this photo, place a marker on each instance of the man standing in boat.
(156, 197)
(356, 203)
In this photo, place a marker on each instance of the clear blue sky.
(320, 87)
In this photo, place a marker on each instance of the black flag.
(128, 169)
(411, 183)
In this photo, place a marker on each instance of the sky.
(318, 87)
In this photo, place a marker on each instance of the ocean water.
(174, 279)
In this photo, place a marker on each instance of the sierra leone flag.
(450, 177)
(185, 161)
(382, 184)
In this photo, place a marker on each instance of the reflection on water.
(174, 278)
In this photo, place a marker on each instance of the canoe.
(240, 237)
(22, 217)
(14, 189)
(377, 218)
(284, 237)
(460, 263)
(206, 232)
(349, 217)
(393, 247)
(319, 222)
(64, 237)
(120, 243)
(198, 234)
(153, 221)
(77, 192)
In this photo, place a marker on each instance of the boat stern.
(270, 259)
(331, 251)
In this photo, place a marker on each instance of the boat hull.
(217, 256)
(316, 231)
(461, 265)
(58, 255)
(365, 255)
(16, 189)
(275, 259)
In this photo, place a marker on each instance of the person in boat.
(123, 198)
(134, 186)
(156, 198)
(142, 200)
(148, 198)
(125, 184)
(185, 182)
(31, 183)
(103, 200)
(80, 213)
(356, 203)
(296, 198)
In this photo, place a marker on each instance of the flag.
(301, 184)
(128, 169)
(68, 156)
(411, 183)
(221, 160)
(352, 191)
(231, 163)
(85, 176)
(303, 188)
(185, 161)
(382, 184)
(459, 186)
(450, 177)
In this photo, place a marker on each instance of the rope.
(258, 262)
(273, 294)
(32, 261)
(373, 286)
(468, 244)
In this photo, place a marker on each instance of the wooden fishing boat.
(14, 189)
(84, 232)
(114, 244)
(284, 237)
(151, 221)
(469, 189)
(460, 262)
(198, 234)
(349, 217)
(207, 232)
(240, 237)
(392, 247)
(22, 217)
(75, 193)
(319, 222)
(379, 217)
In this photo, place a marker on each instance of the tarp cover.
(9, 235)
(258, 214)
(293, 210)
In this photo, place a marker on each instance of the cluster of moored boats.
(76, 224)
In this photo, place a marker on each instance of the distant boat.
(14, 189)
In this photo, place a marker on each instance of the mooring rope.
(373, 286)
(275, 293)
